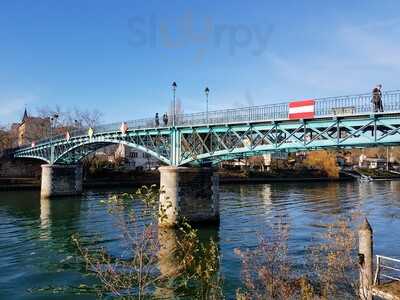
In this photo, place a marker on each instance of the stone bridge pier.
(190, 193)
(61, 180)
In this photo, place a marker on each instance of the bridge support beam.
(190, 193)
(60, 180)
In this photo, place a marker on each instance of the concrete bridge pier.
(61, 180)
(190, 193)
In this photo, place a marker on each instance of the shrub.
(323, 160)
(331, 266)
(155, 262)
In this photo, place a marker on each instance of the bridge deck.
(210, 136)
(111, 129)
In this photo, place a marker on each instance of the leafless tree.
(72, 117)
(256, 161)
(5, 139)
(178, 110)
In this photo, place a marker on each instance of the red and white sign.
(303, 109)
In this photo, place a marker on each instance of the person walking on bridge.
(165, 119)
(377, 98)
(157, 120)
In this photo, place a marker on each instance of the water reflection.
(395, 188)
(179, 255)
(44, 218)
(168, 260)
(58, 219)
(35, 233)
(22, 204)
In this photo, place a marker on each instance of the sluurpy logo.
(198, 35)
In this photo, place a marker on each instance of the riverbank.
(19, 183)
(379, 174)
(148, 178)
(137, 179)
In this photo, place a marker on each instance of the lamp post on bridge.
(76, 128)
(174, 85)
(53, 118)
(207, 91)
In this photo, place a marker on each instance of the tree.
(331, 264)
(154, 263)
(324, 161)
(73, 118)
(256, 161)
(5, 139)
(178, 110)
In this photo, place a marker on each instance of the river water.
(36, 250)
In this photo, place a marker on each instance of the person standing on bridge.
(165, 119)
(90, 132)
(377, 98)
(157, 120)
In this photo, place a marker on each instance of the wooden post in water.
(365, 246)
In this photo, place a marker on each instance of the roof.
(375, 159)
(25, 116)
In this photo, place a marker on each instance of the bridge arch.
(105, 143)
(225, 155)
(43, 159)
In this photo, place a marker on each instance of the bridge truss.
(211, 143)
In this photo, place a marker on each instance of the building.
(30, 129)
(345, 160)
(135, 159)
(269, 157)
(106, 153)
(371, 163)
(127, 157)
(259, 161)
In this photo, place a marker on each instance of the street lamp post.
(207, 91)
(76, 127)
(174, 85)
(52, 118)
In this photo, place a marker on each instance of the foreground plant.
(267, 271)
(155, 262)
(331, 266)
(334, 262)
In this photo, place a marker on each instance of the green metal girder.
(194, 144)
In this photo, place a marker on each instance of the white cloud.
(378, 47)
(353, 60)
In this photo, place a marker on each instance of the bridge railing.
(253, 113)
(350, 104)
(357, 104)
(83, 131)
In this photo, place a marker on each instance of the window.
(134, 155)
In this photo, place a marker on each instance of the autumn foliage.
(324, 161)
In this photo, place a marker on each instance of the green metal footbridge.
(204, 138)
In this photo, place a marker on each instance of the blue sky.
(121, 57)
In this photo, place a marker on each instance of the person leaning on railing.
(377, 98)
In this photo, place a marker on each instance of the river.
(36, 250)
